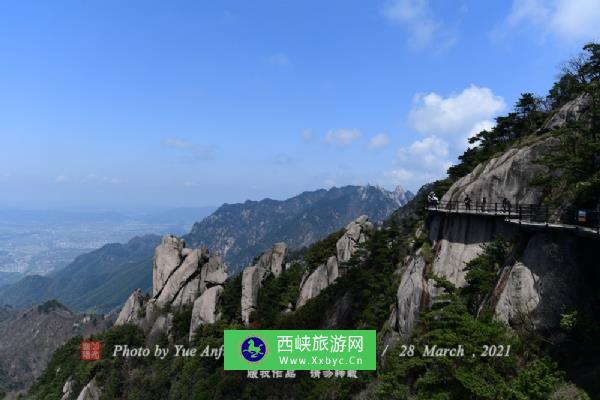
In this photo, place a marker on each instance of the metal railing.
(538, 213)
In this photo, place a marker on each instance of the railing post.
(496, 208)
(520, 213)
(547, 215)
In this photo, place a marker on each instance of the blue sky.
(147, 103)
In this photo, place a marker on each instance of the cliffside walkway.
(535, 216)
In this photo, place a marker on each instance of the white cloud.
(279, 59)
(417, 18)
(433, 114)
(342, 137)
(199, 151)
(429, 153)
(61, 179)
(569, 20)
(379, 141)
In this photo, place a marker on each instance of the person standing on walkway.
(505, 205)
(483, 203)
(468, 202)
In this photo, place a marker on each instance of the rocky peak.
(131, 312)
(180, 276)
(355, 233)
(271, 261)
(167, 257)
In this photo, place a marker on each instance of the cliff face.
(537, 287)
(508, 175)
(543, 283)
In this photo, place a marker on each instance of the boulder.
(180, 276)
(214, 272)
(205, 309)
(252, 278)
(91, 391)
(273, 260)
(133, 310)
(542, 284)
(411, 296)
(190, 292)
(314, 284)
(167, 257)
(355, 233)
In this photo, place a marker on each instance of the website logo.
(253, 349)
(296, 350)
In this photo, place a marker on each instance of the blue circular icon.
(253, 349)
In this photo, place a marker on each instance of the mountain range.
(101, 280)
(239, 232)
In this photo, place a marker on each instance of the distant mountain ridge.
(100, 280)
(240, 232)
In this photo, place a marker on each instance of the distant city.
(39, 242)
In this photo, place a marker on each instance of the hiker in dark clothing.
(468, 203)
(483, 203)
(505, 205)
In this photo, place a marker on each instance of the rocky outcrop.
(132, 311)
(205, 309)
(167, 257)
(183, 275)
(273, 262)
(570, 113)
(67, 389)
(180, 275)
(252, 279)
(457, 239)
(91, 391)
(324, 275)
(508, 175)
(542, 284)
(411, 296)
(213, 273)
(355, 233)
